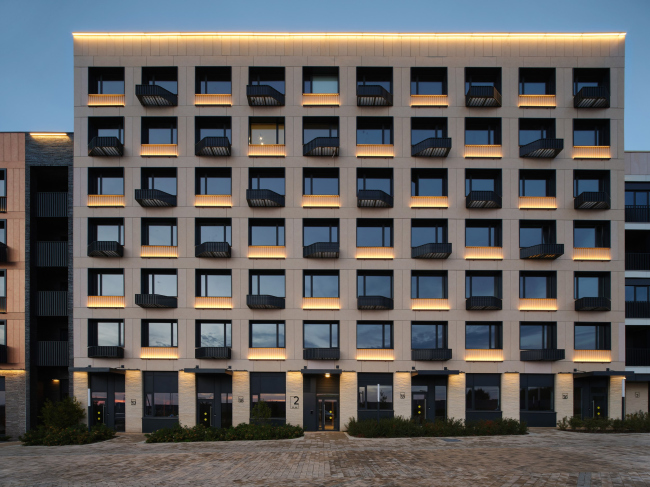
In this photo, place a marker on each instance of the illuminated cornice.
(530, 35)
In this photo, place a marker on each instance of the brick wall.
(402, 384)
(510, 395)
(80, 389)
(134, 410)
(348, 398)
(456, 397)
(294, 388)
(615, 397)
(563, 387)
(241, 390)
(16, 406)
(633, 403)
(187, 399)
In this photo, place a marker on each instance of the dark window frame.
(310, 273)
(279, 325)
(602, 130)
(548, 125)
(172, 223)
(382, 223)
(495, 175)
(312, 173)
(437, 71)
(495, 334)
(227, 338)
(150, 73)
(604, 283)
(256, 174)
(145, 273)
(538, 73)
(93, 331)
(333, 122)
(148, 177)
(96, 74)
(535, 382)
(384, 324)
(384, 124)
(217, 222)
(602, 175)
(263, 75)
(147, 123)
(476, 381)
(212, 122)
(333, 324)
(278, 223)
(493, 128)
(97, 174)
(95, 284)
(325, 223)
(201, 275)
(308, 73)
(498, 282)
(602, 335)
(549, 334)
(603, 231)
(437, 223)
(538, 175)
(202, 174)
(94, 222)
(202, 75)
(496, 240)
(257, 273)
(375, 71)
(445, 334)
(418, 173)
(549, 230)
(484, 72)
(277, 121)
(551, 283)
(371, 273)
(169, 380)
(95, 123)
(173, 332)
(415, 280)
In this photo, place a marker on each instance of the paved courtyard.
(546, 457)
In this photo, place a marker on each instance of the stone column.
(636, 397)
(456, 397)
(348, 397)
(510, 396)
(294, 390)
(615, 406)
(402, 385)
(241, 394)
(80, 385)
(134, 399)
(187, 399)
(563, 388)
(15, 406)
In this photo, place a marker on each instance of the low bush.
(638, 422)
(62, 414)
(243, 431)
(400, 427)
(72, 435)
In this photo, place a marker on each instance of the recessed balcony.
(432, 147)
(591, 152)
(636, 213)
(381, 253)
(264, 96)
(537, 101)
(52, 254)
(373, 96)
(537, 304)
(321, 201)
(105, 352)
(105, 147)
(431, 354)
(154, 198)
(267, 252)
(264, 198)
(321, 250)
(483, 303)
(543, 355)
(592, 253)
(159, 251)
(592, 97)
(430, 304)
(542, 149)
(106, 201)
(264, 301)
(217, 250)
(592, 200)
(321, 354)
(156, 301)
(106, 302)
(637, 261)
(4, 250)
(542, 251)
(593, 304)
(429, 202)
(483, 152)
(213, 147)
(537, 203)
(374, 198)
(159, 150)
(50, 303)
(374, 303)
(155, 96)
(322, 146)
(482, 96)
(483, 253)
(371, 151)
(212, 302)
(52, 354)
(321, 303)
(482, 199)
(431, 251)
(52, 205)
(217, 353)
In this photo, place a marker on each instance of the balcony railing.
(637, 357)
(542, 149)
(106, 248)
(637, 309)
(545, 355)
(593, 304)
(52, 354)
(321, 354)
(592, 97)
(264, 198)
(264, 95)
(156, 301)
(373, 96)
(220, 250)
(213, 147)
(483, 96)
(431, 251)
(322, 146)
(637, 214)
(52, 303)
(3, 354)
(432, 147)
(374, 198)
(431, 354)
(321, 250)
(4, 251)
(219, 353)
(159, 150)
(264, 301)
(52, 254)
(482, 199)
(154, 198)
(483, 303)
(52, 205)
(537, 203)
(155, 96)
(637, 262)
(374, 303)
(105, 147)
(592, 200)
(105, 352)
(542, 251)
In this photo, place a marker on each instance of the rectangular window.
(159, 130)
(534, 182)
(592, 285)
(367, 76)
(482, 283)
(428, 182)
(213, 181)
(321, 284)
(213, 333)
(537, 285)
(428, 81)
(213, 80)
(483, 392)
(537, 81)
(537, 335)
(484, 335)
(159, 333)
(266, 334)
(637, 194)
(267, 76)
(265, 283)
(482, 131)
(320, 334)
(428, 284)
(477, 77)
(592, 336)
(374, 335)
(483, 180)
(161, 394)
(637, 290)
(266, 131)
(212, 127)
(590, 132)
(590, 181)
(162, 179)
(159, 231)
(3, 333)
(3, 231)
(266, 178)
(591, 233)
(321, 80)
(536, 232)
(214, 283)
(213, 230)
(106, 180)
(270, 387)
(314, 127)
(428, 335)
(536, 392)
(266, 231)
(375, 283)
(159, 281)
(319, 231)
(374, 130)
(3, 283)
(105, 333)
(533, 129)
(105, 81)
(428, 231)
(165, 77)
(376, 396)
(105, 282)
(427, 128)
(374, 232)
(106, 127)
(590, 78)
(375, 179)
(3, 183)
(320, 181)
(482, 233)
(106, 230)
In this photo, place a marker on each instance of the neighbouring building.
(349, 225)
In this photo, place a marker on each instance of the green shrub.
(638, 422)
(575, 422)
(62, 414)
(242, 431)
(261, 413)
(73, 435)
(563, 424)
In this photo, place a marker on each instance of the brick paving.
(546, 458)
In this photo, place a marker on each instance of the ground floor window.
(375, 392)
(536, 392)
(483, 392)
(270, 387)
(161, 394)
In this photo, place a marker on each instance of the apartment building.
(348, 225)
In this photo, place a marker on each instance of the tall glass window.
(321, 284)
(592, 336)
(428, 335)
(266, 334)
(213, 333)
(159, 333)
(269, 283)
(374, 335)
(317, 334)
(213, 181)
(486, 335)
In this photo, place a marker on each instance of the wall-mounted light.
(327, 375)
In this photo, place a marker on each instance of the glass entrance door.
(419, 404)
(120, 411)
(98, 407)
(598, 403)
(328, 414)
(205, 403)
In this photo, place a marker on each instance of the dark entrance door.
(328, 414)
(107, 400)
(590, 397)
(321, 402)
(429, 397)
(214, 400)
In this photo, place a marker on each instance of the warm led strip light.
(95, 100)
(214, 100)
(483, 151)
(267, 252)
(271, 150)
(596, 253)
(161, 353)
(159, 150)
(209, 302)
(592, 356)
(375, 354)
(321, 201)
(267, 354)
(321, 99)
(537, 304)
(429, 101)
(213, 200)
(476, 355)
(591, 152)
(537, 203)
(106, 200)
(375, 150)
(163, 251)
(106, 302)
(537, 101)
(430, 305)
(484, 253)
(534, 35)
(321, 303)
(375, 253)
(48, 134)
(429, 202)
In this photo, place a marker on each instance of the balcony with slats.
(374, 198)
(322, 147)
(321, 250)
(213, 147)
(592, 200)
(542, 355)
(542, 251)
(264, 96)
(373, 96)
(105, 147)
(431, 354)
(105, 352)
(52, 303)
(155, 96)
(592, 97)
(637, 309)
(52, 205)
(106, 248)
(264, 198)
(483, 199)
(431, 251)
(52, 354)
(264, 301)
(483, 303)
(218, 250)
(542, 149)
(321, 354)
(593, 304)
(156, 301)
(482, 96)
(432, 147)
(374, 303)
(154, 198)
(215, 353)
(52, 254)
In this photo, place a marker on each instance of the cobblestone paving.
(543, 458)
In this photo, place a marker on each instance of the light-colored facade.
(347, 52)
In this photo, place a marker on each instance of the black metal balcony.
(593, 304)
(373, 96)
(264, 301)
(374, 303)
(264, 198)
(264, 96)
(637, 214)
(52, 254)
(154, 198)
(52, 354)
(637, 309)
(106, 248)
(3, 204)
(542, 251)
(156, 301)
(219, 353)
(3, 354)
(431, 354)
(374, 198)
(322, 146)
(321, 354)
(52, 303)
(637, 262)
(52, 205)
(155, 96)
(592, 200)
(321, 250)
(212, 147)
(4, 251)
(219, 250)
(637, 357)
(592, 97)
(105, 147)
(431, 251)
(105, 352)
(432, 147)
(482, 199)
(482, 96)
(545, 355)
(483, 303)
(542, 149)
